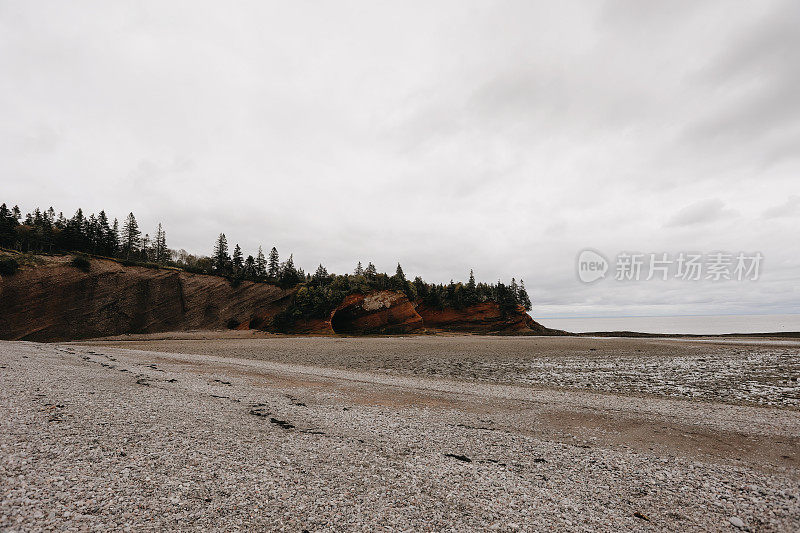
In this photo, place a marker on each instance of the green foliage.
(8, 266)
(47, 232)
(81, 262)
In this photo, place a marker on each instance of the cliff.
(485, 317)
(376, 313)
(55, 301)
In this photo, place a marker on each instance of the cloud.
(790, 208)
(502, 136)
(703, 212)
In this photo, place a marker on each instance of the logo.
(591, 266)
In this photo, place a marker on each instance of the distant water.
(698, 325)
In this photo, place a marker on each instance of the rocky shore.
(96, 437)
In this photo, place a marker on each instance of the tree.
(359, 271)
(238, 260)
(221, 260)
(420, 288)
(371, 272)
(524, 299)
(399, 273)
(471, 291)
(8, 225)
(147, 249)
(130, 236)
(321, 275)
(249, 269)
(289, 276)
(107, 246)
(261, 264)
(273, 267)
(113, 238)
(160, 252)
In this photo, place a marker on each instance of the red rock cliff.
(484, 317)
(376, 313)
(56, 301)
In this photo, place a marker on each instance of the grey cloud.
(790, 208)
(702, 212)
(501, 136)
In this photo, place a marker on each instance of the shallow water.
(696, 325)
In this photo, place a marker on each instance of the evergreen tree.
(238, 260)
(273, 267)
(523, 298)
(92, 232)
(221, 260)
(260, 267)
(289, 276)
(420, 288)
(8, 225)
(321, 275)
(104, 235)
(359, 271)
(131, 236)
(371, 272)
(113, 238)
(399, 273)
(160, 252)
(147, 249)
(471, 291)
(249, 269)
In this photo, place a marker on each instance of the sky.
(504, 137)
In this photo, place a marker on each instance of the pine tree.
(160, 246)
(238, 260)
(104, 234)
(131, 236)
(273, 268)
(321, 275)
(8, 224)
(399, 273)
(371, 272)
(221, 260)
(289, 275)
(249, 269)
(524, 299)
(471, 290)
(261, 264)
(147, 249)
(113, 238)
(359, 271)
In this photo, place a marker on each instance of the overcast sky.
(500, 136)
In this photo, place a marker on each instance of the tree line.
(45, 232)
(320, 292)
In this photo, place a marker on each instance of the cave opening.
(342, 321)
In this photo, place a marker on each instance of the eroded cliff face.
(486, 317)
(376, 313)
(56, 301)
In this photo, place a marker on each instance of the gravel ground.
(742, 371)
(95, 438)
